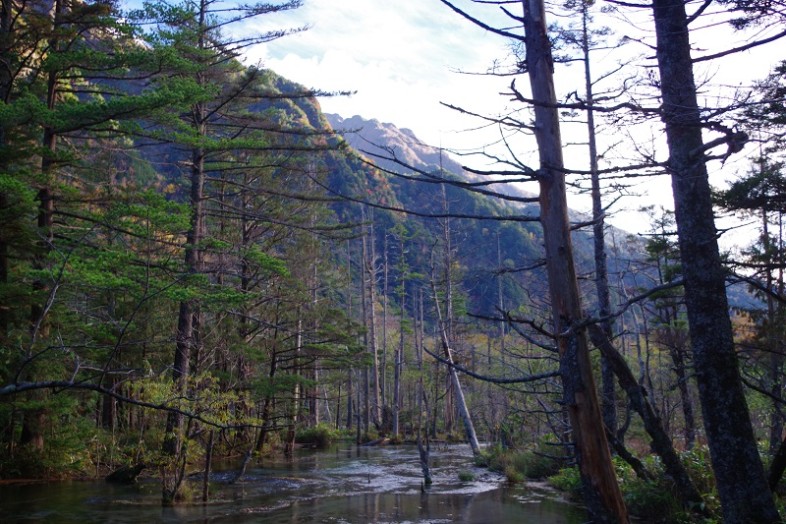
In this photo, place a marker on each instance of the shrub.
(466, 476)
(320, 436)
(537, 464)
(569, 481)
(652, 499)
(483, 459)
(513, 475)
(697, 462)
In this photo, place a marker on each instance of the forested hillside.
(197, 263)
(188, 247)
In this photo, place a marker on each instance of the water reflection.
(347, 485)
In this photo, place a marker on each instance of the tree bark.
(6, 81)
(661, 442)
(602, 494)
(742, 488)
(466, 418)
(186, 331)
(371, 268)
(608, 400)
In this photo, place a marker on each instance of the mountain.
(382, 142)
(491, 253)
(378, 141)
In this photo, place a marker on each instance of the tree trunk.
(608, 400)
(34, 422)
(399, 354)
(6, 81)
(364, 308)
(267, 405)
(384, 366)
(208, 464)
(599, 482)
(778, 466)
(371, 269)
(742, 487)
(661, 443)
(689, 431)
(447, 320)
(466, 418)
(186, 333)
(109, 407)
(774, 317)
(397, 368)
(295, 408)
(351, 371)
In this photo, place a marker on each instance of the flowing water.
(346, 485)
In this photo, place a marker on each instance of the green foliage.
(321, 436)
(655, 499)
(697, 463)
(652, 499)
(513, 475)
(265, 261)
(65, 453)
(539, 462)
(569, 481)
(466, 476)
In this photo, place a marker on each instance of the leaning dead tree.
(601, 492)
(599, 483)
(464, 413)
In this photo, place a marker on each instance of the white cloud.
(400, 57)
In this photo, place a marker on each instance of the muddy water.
(347, 485)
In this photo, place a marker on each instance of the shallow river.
(347, 485)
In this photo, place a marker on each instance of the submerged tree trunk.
(422, 403)
(602, 494)
(187, 323)
(744, 494)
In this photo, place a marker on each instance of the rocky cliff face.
(383, 141)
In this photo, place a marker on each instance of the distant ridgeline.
(493, 256)
(494, 263)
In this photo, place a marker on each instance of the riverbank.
(346, 483)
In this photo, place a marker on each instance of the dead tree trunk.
(608, 404)
(601, 492)
(466, 418)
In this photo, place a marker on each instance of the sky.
(401, 58)
(405, 58)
